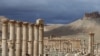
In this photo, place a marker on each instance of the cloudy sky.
(52, 11)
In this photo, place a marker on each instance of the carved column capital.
(4, 21)
(25, 23)
(19, 24)
(91, 34)
(12, 21)
(39, 21)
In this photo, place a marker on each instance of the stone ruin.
(22, 38)
(93, 15)
(27, 39)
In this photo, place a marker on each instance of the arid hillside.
(77, 29)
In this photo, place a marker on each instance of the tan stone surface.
(25, 39)
(4, 37)
(18, 38)
(30, 39)
(12, 38)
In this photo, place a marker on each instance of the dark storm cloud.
(56, 11)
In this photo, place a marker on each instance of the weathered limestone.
(59, 45)
(91, 44)
(46, 54)
(4, 37)
(30, 40)
(12, 38)
(70, 47)
(18, 38)
(39, 21)
(97, 47)
(84, 47)
(36, 38)
(25, 39)
(78, 54)
(41, 36)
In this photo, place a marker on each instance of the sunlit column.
(30, 40)
(18, 38)
(41, 36)
(12, 38)
(25, 39)
(4, 37)
(36, 38)
(91, 44)
(70, 47)
(84, 46)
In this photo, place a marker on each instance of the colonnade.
(22, 38)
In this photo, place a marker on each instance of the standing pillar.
(12, 38)
(18, 38)
(59, 45)
(30, 40)
(84, 47)
(41, 36)
(70, 47)
(4, 37)
(36, 36)
(97, 48)
(91, 44)
(24, 41)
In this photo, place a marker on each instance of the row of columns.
(25, 39)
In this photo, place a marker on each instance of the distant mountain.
(77, 29)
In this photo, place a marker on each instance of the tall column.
(12, 38)
(25, 37)
(91, 44)
(4, 37)
(70, 47)
(36, 37)
(97, 48)
(41, 36)
(50, 37)
(18, 38)
(30, 40)
(59, 45)
(84, 47)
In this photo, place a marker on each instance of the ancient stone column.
(18, 38)
(36, 38)
(25, 39)
(84, 46)
(30, 40)
(59, 45)
(41, 36)
(97, 48)
(50, 37)
(91, 44)
(4, 37)
(12, 38)
(70, 47)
